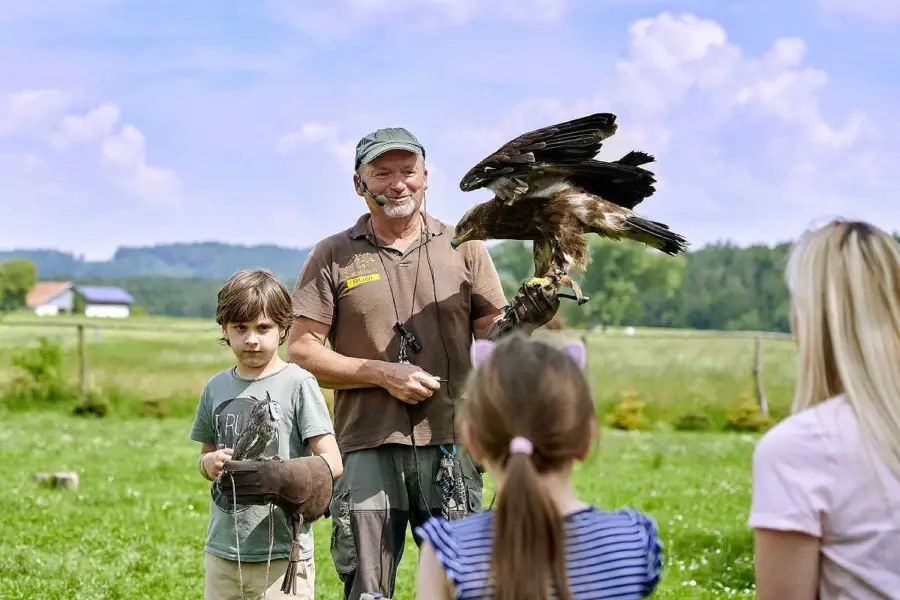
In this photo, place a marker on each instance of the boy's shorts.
(223, 582)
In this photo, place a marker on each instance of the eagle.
(550, 189)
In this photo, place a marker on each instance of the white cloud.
(876, 10)
(24, 111)
(96, 124)
(39, 118)
(322, 135)
(126, 152)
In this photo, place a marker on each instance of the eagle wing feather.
(506, 170)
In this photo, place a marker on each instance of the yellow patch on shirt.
(363, 279)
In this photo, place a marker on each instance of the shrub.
(748, 417)
(693, 421)
(39, 379)
(629, 413)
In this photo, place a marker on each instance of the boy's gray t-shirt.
(224, 406)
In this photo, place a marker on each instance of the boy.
(255, 313)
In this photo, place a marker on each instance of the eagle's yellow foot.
(540, 281)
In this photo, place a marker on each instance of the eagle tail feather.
(619, 183)
(656, 235)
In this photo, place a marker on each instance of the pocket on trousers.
(474, 482)
(343, 547)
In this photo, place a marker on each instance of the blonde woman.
(826, 480)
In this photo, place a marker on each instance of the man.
(399, 307)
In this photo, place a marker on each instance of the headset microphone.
(380, 200)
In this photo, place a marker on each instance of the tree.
(622, 278)
(17, 278)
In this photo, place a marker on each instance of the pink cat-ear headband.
(481, 349)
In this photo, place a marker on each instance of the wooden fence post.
(757, 375)
(82, 363)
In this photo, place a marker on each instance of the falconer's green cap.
(373, 145)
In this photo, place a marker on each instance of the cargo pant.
(376, 497)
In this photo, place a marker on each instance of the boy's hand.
(408, 383)
(213, 462)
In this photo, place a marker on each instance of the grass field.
(136, 525)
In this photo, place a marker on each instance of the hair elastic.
(520, 445)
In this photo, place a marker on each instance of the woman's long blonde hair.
(844, 282)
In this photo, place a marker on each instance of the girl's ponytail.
(529, 540)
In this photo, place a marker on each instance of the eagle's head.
(470, 226)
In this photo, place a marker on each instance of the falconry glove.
(302, 487)
(533, 306)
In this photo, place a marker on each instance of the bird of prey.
(549, 188)
(259, 430)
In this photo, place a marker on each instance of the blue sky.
(134, 123)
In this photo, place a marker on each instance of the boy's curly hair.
(250, 293)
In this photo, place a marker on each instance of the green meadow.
(135, 526)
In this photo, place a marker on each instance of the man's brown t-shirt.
(438, 292)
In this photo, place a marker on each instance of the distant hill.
(201, 260)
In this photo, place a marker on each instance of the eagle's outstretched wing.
(566, 143)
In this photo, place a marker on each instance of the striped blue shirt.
(610, 555)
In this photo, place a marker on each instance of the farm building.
(49, 298)
(104, 301)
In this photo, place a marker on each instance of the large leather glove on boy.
(302, 486)
(533, 306)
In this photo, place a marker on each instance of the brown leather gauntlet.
(302, 486)
(533, 306)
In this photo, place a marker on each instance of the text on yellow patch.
(363, 279)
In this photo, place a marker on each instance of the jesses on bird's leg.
(559, 277)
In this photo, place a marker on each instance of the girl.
(826, 480)
(527, 415)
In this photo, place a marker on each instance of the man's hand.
(408, 383)
(214, 461)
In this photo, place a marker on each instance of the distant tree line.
(720, 286)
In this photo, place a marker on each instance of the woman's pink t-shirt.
(811, 474)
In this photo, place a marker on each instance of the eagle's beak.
(459, 239)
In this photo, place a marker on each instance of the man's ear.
(357, 185)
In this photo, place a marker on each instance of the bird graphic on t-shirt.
(259, 431)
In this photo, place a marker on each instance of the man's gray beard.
(401, 211)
